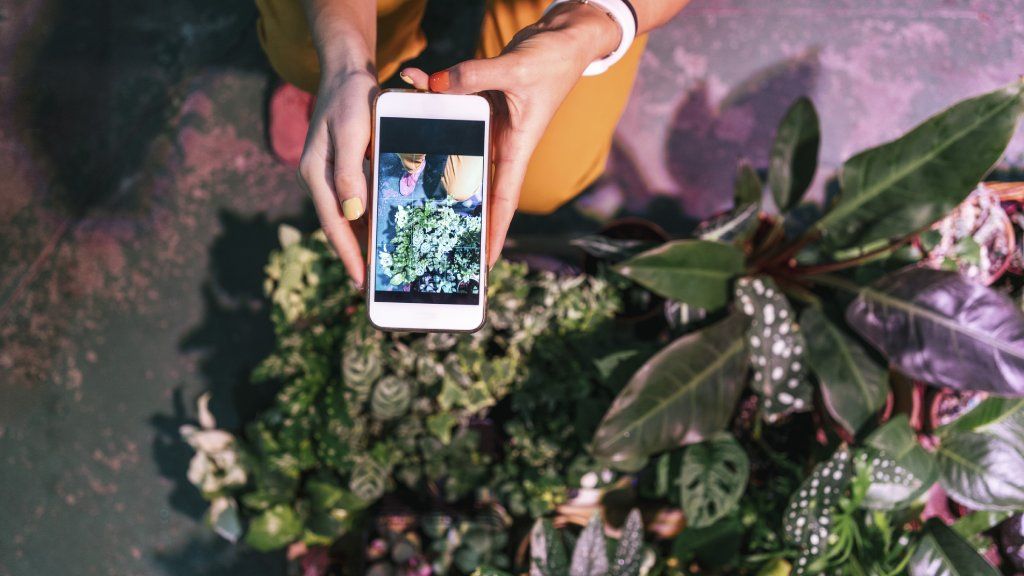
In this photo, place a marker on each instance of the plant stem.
(850, 263)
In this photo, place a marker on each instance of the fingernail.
(352, 208)
(405, 77)
(440, 81)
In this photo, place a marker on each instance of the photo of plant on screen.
(428, 236)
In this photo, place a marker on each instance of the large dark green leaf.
(696, 272)
(714, 476)
(853, 385)
(942, 329)
(795, 154)
(682, 395)
(776, 348)
(901, 470)
(1002, 417)
(982, 471)
(942, 552)
(748, 187)
(911, 182)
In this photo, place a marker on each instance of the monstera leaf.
(940, 328)
(942, 552)
(911, 182)
(682, 395)
(794, 154)
(982, 471)
(853, 385)
(901, 470)
(776, 348)
(696, 272)
(714, 476)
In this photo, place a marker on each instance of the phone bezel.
(418, 317)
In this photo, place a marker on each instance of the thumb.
(474, 76)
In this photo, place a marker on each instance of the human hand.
(526, 84)
(331, 167)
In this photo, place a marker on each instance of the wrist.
(593, 32)
(344, 52)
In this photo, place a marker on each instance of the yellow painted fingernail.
(405, 78)
(352, 208)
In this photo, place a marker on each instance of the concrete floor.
(139, 204)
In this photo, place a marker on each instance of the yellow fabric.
(462, 176)
(573, 150)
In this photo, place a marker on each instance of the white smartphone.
(427, 255)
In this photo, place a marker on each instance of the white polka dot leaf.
(777, 348)
(809, 519)
(853, 384)
(713, 477)
(901, 471)
(590, 556)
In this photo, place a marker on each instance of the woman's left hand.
(525, 84)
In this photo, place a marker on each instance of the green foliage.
(693, 271)
(434, 247)
(361, 413)
(794, 155)
(714, 476)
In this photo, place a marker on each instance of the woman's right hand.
(331, 167)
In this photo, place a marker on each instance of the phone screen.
(430, 176)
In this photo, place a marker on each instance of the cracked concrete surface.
(139, 203)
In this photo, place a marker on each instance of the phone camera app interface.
(429, 211)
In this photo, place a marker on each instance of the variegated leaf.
(391, 398)
(776, 348)
(808, 520)
(369, 480)
(629, 554)
(590, 557)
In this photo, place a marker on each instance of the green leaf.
(590, 558)
(794, 156)
(391, 398)
(982, 471)
(369, 479)
(696, 272)
(943, 329)
(275, 528)
(611, 249)
(942, 552)
(902, 470)
(906, 184)
(682, 395)
(714, 476)
(977, 522)
(853, 385)
(748, 187)
(1002, 417)
(776, 348)
(713, 547)
(629, 551)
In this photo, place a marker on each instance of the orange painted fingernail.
(440, 81)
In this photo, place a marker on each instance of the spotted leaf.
(900, 469)
(776, 348)
(714, 476)
(808, 520)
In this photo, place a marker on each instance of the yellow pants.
(573, 150)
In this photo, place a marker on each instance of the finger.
(348, 146)
(415, 77)
(316, 175)
(474, 76)
(509, 172)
